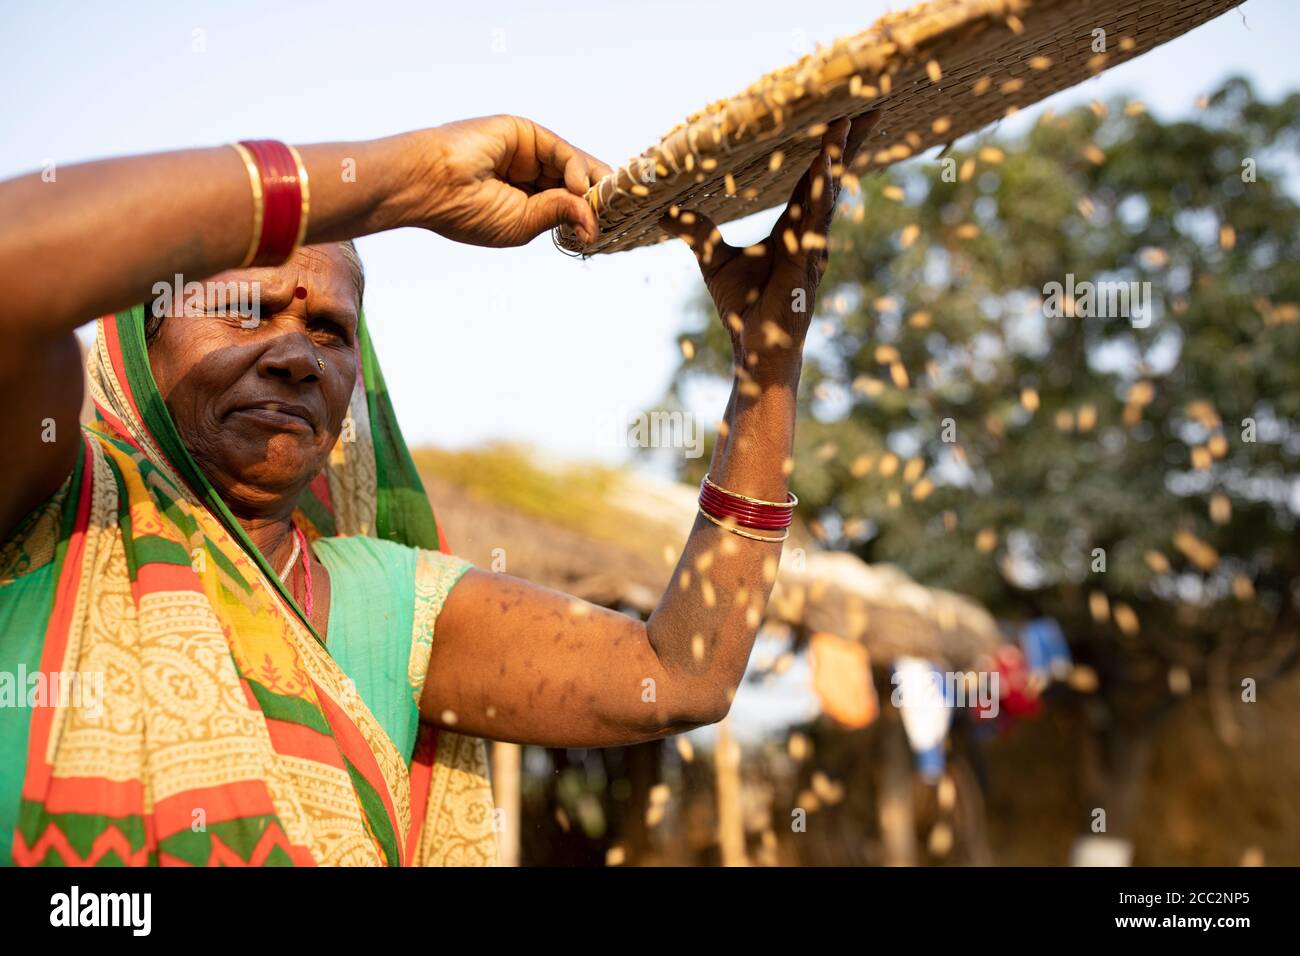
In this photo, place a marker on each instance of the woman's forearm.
(704, 627)
(95, 238)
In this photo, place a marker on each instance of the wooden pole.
(506, 761)
(731, 817)
(897, 821)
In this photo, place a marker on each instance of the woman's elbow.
(704, 705)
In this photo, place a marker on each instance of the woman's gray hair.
(350, 253)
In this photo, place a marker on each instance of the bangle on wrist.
(281, 200)
(259, 208)
(733, 511)
(729, 524)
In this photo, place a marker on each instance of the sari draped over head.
(227, 733)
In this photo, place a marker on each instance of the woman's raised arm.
(518, 662)
(94, 238)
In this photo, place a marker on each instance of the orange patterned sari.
(222, 732)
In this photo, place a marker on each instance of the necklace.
(288, 565)
(300, 548)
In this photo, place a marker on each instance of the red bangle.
(720, 506)
(748, 512)
(285, 199)
(745, 504)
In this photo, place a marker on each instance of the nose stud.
(320, 363)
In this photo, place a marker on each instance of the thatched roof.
(878, 604)
(612, 537)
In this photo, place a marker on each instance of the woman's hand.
(502, 180)
(765, 293)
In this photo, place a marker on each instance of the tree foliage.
(1136, 476)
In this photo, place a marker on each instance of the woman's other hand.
(765, 293)
(502, 180)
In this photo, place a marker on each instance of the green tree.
(1135, 476)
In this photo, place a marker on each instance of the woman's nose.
(292, 358)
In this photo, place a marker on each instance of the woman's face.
(259, 402)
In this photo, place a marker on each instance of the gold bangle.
(754, 501)
(306, 196)
(730, 526)
(259, 202)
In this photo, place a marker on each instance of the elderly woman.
(218, 602)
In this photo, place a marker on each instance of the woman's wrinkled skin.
(254, 406)
(261, 403)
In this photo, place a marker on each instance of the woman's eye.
(333, 331)
(225, 315)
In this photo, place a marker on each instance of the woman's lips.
(282, 416)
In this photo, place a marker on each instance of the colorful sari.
(226, 732)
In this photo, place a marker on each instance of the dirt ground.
(1202, 802)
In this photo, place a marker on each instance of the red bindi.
(300, 293)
